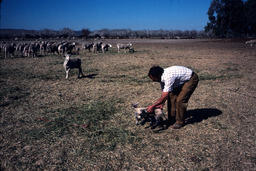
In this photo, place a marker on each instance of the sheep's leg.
(67, 70)
(80, 72)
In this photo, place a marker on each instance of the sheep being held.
(142, 116)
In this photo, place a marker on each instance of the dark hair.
(156, 71)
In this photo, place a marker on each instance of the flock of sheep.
(36, 48)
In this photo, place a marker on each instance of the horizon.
(99, 14)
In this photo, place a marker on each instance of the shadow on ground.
(193, 116)
(197, 115)
(91, 76)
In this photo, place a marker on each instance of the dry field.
(50, 123)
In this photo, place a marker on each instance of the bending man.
(177, 83)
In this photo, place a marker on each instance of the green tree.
(226, 18)
(250, 13)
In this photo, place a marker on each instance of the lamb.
(105, 46)
(124, 46)
(142, 116)
(72, 63)
(251, 42)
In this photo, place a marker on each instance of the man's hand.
(159, 106)
(150, 109)
(159, 103)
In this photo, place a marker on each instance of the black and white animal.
(88, 46)
(96, 47)
(142, 116)
(250, 43)
(125, 47)
(105, 46)
(72, 63)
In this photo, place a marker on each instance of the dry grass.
(47, 122)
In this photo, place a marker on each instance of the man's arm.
(160, 101)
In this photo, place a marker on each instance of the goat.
(105, 46)
(124, 46)
(72, 63)
(142, 116)
(251, 42)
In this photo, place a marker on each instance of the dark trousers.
(178, 99)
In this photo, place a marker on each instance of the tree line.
(103, 33)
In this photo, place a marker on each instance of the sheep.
(52, 47)
(72, 63)
(124, 46)
(9, 49)
(42, 48)
(61, 49)
(20, 48)
(250, 42)
(105, 46)
(96, 46)
(142, 116)
(68, 48)
(88, 46)
(33, 49)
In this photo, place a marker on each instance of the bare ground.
(47, 122)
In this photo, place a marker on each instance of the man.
(177, 83)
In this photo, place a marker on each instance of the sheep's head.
(140, 113)
(67, 56)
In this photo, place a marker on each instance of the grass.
(50, 123)
(89, 121)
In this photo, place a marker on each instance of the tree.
(85, 33)
(67, 32)
(226, 18)
(250, 13)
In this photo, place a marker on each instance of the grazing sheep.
(33, 49)
(124, 46)
(105, 46)
(88, 46)
(9, 49)
(42, 48)
(72, 63)
(96, 47)
(251, 42)
(142, 116)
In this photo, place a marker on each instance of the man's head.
(155, 73)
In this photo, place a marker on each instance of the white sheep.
(105, 46)
(124, 46)
(251, 42)
(72, 63)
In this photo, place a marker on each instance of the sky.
(105, 14)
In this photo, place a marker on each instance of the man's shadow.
(198, 115)
(194, 116)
